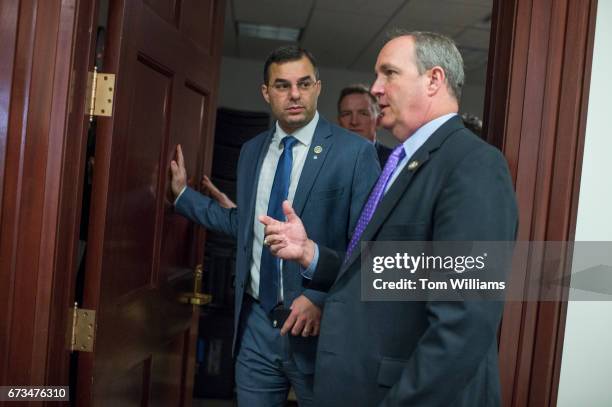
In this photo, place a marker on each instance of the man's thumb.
(289, 212)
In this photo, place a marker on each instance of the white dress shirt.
(304, 138)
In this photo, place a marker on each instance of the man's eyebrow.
(387, 66)
(303, 78)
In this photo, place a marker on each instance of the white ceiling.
(348, 34)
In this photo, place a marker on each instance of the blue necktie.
(269, 267)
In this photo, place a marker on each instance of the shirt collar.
(414, 142)
(304, 134)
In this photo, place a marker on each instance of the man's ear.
(265, 94)
(437, 80)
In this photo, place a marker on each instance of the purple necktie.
(375, 197)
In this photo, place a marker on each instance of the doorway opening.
(345, 38)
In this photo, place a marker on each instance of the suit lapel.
(322, 138)
(388, 202)
(254, 167)
(403, 181)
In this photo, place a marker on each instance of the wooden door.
(166, 56)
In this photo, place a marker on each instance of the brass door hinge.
(83, 329)
(101, 90)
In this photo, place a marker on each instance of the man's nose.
(377, 87)
(294, 92)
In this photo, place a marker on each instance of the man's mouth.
(295, 109)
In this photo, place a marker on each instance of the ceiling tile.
(366, 60)
(257, 48)
(441, 12)
(350, 33)
(280, 13)
(379, 8)
(337, 45)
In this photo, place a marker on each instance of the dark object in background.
(233, 129)
(214, 364)
(473, 123)
(214, 376)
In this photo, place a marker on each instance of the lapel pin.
(318, 149)
(413, 165)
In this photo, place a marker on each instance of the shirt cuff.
(308, 273)
(179, 195)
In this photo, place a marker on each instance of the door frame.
(41, 202)
(536, 103)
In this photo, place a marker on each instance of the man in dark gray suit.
(442, 183)
(358, 112)
(327, 173)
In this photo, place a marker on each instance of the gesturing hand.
(288, 240)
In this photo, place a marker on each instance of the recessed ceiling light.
(268, 32)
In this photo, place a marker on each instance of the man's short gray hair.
(433, 49)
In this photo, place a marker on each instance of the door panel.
(132, 223)
(166, 9)
(141, 255)
(200, 32)
(126, 390)
(164, 388)
(192, 117)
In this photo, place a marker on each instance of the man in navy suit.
(442, 183)
(358, 112)
(327, 173)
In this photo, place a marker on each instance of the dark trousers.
(265, 368)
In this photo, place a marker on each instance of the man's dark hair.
(359, 89)
(288, 53)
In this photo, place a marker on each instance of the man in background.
(358, 112)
